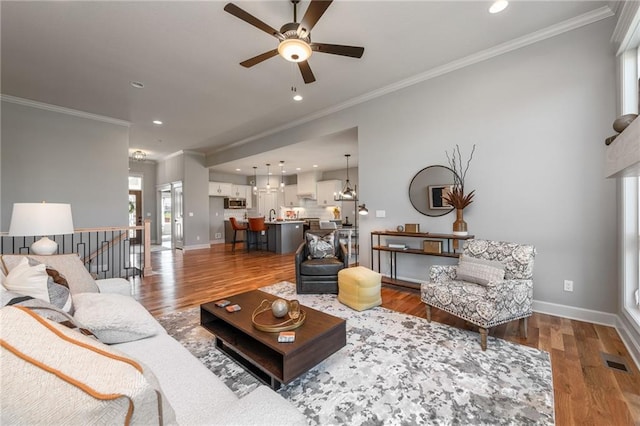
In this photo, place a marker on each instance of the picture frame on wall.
(435, 194)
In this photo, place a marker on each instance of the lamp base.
(44, 246)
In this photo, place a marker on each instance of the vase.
(459, 226)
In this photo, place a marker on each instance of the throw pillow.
(321, 246)
(53, 375)
(114, 318)
(70, 265)
(35, 282)
(479, 271)
(42, 308)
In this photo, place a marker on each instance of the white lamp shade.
(34, 219)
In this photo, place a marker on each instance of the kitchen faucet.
(274, 213)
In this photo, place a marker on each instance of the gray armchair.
(489, 301)
(320, 274)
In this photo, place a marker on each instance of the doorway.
(135, 208)
(171, 224)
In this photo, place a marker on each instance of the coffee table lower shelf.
(259, 352)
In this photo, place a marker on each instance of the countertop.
(283, 222)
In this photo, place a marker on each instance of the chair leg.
(233, 246)
(483, 338)
(428, 313)
(523, 328)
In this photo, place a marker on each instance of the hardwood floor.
(586, 391)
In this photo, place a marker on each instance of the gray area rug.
(397, 369)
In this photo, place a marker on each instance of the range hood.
(307, 185)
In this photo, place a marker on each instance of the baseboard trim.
(630, 340)
(195, 247)
(571, 312)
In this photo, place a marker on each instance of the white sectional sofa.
(194, 393)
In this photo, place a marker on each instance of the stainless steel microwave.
(235, 203)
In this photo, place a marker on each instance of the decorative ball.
(623, 121)
(280, 307)
(400, 228)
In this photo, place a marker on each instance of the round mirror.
(428, 187)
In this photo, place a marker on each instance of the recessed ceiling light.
(237, 170)
(158, 122)
(297, 97)
(498, 6)
(136, 84)
(315, 165)
(298, 169)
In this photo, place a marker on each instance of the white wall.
(539, 116)
(59, 157)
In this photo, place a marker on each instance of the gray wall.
(57, 157)
(148, 170)
(196, 200)
(538, 116)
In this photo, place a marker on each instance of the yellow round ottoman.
(359, 288)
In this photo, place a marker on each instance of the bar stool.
(256, 228)
(237, 227)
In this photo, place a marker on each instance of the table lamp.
(41, 219)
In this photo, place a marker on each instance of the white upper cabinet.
(291, 196)
(220, 189)
(327, 190)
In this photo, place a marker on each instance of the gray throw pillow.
(321, 246)
(479, 271)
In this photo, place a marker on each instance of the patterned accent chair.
(492, 303)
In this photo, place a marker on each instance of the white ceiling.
(84, 54)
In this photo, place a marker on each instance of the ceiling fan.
(295, 38)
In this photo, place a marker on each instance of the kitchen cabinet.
(291, 196)
(326, 192)
(307, 185)
(219, 189)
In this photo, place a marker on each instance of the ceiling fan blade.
(257, 59)
(338, 49)
(314, 12)
(307, 74)
(250, 19)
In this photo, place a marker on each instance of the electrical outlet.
(568, 285)
(198, 238)
(218, 235)
(381, 213)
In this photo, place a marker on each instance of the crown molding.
(517, 43)
(63, 110)
(627, 30)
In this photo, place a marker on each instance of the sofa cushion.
(54, 375)
(33, 280)
(479, 271)
(69, 265)
(324, 266)
(321, 246)
(114, 318)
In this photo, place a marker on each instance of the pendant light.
(347, 193)
(281, 176)
(255, 181)
(268, 179)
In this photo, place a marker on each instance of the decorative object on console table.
(432, 246)
(412, 227)
(456, 197)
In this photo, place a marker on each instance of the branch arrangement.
(456, 197)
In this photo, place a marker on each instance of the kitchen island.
(285, 236)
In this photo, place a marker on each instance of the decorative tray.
(264, 320)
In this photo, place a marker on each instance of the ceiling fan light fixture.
(294, 50)
(498, 6)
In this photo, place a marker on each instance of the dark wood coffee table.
(259, 352)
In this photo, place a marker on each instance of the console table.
(448, 244)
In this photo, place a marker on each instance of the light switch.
(381, 213)
(191, 214)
